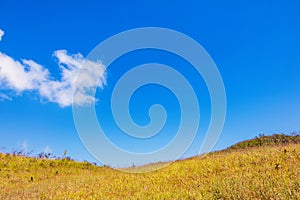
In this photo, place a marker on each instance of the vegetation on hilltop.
(275, 139)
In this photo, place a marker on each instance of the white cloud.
(27, 75)
(1, 34)
(20, 76)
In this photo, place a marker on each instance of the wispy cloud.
(27, 75)
(1, 34)
(47, 149)
(24, 146)
(4, 97)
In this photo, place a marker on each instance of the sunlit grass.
(266, 172)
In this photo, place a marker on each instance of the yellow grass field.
(266, 172)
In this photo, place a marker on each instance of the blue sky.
(255, 45)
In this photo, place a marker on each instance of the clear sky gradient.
(255, 44)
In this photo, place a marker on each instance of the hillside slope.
(266, 172)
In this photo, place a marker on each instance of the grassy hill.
(267, 170)
(262, 140)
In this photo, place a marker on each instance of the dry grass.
(267, 172)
